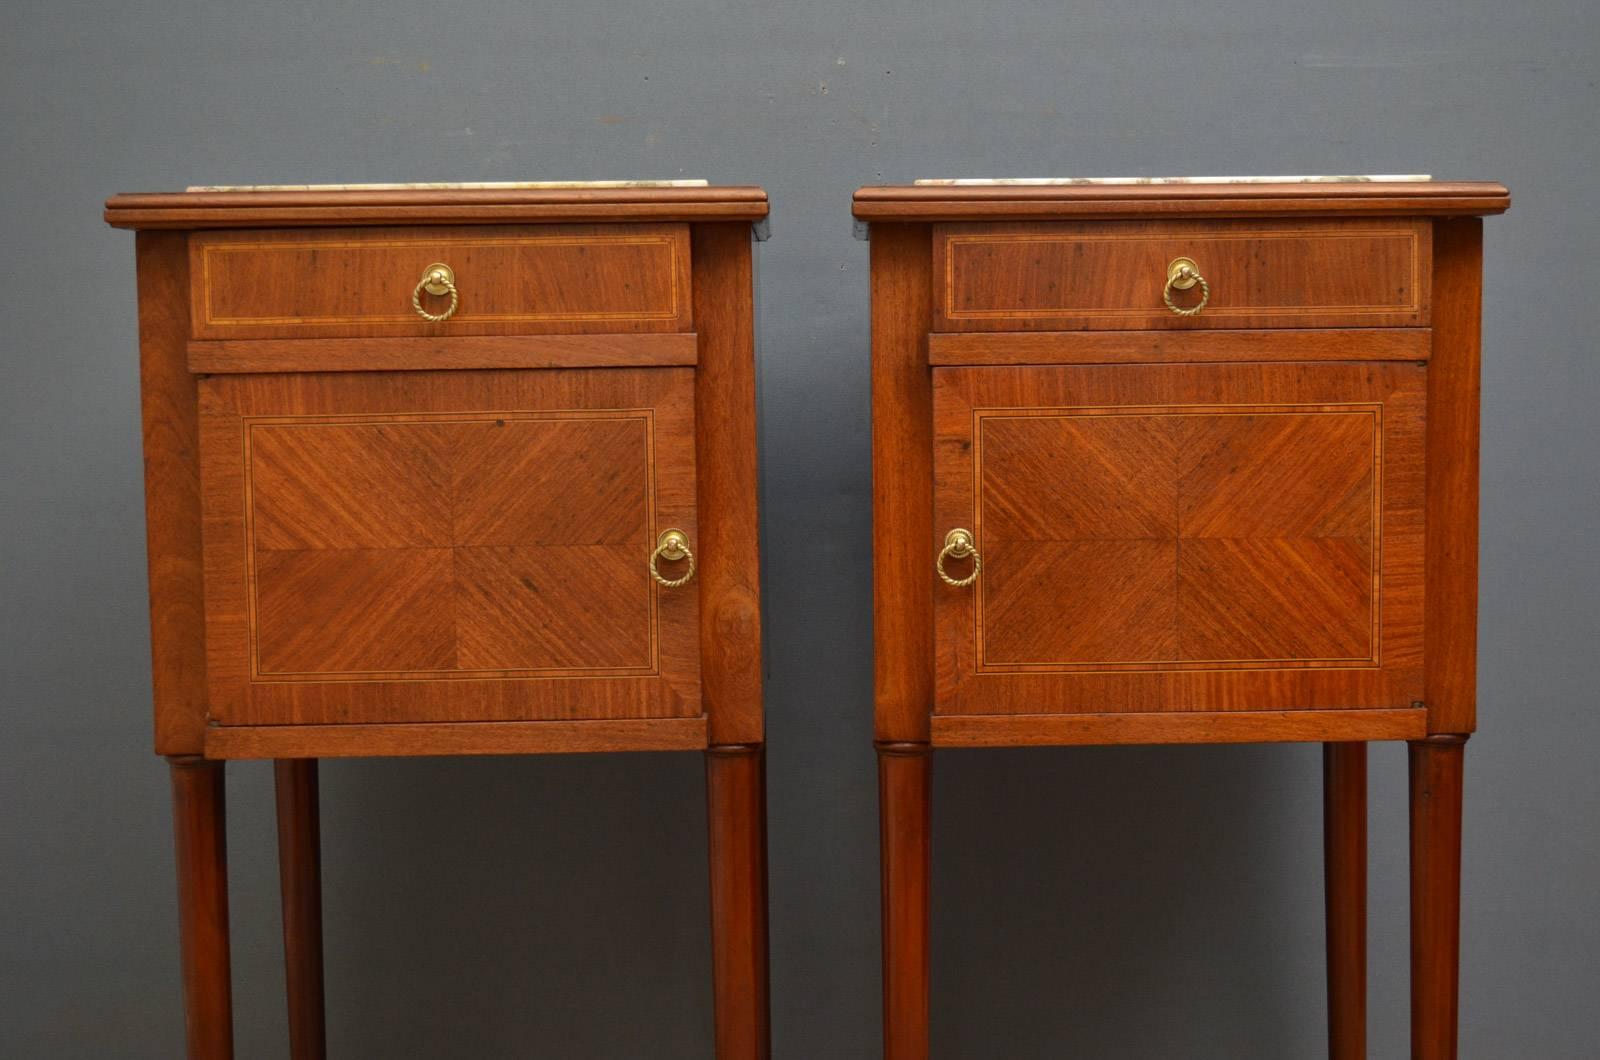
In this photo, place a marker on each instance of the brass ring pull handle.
(958, 545)
(440, 279)
(672, 546)
(1183, 274)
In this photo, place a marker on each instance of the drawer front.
(1180, 537)
(552, 279)
(1114, 275)
(447, 546)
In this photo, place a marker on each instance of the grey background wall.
(1100, 903)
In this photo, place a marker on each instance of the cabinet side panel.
(902, 481)
(172, 494)
(725, 440)
(1451, 671)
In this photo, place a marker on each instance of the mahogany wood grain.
(171, 429)
(905, 807)
(902, 482)
(423, 354)
(199, 820)
(1234, 726)
(1344, 845)
(1223, 558)
(1110, 275)
(727, 485)
(277, 209)
(736, 800)
(456, 738)
(300, 283)
(432, 539)
(300, 882)
(1436, 775)
(447, 546)
(1225, 534)
(1453, 401)
(911, 203)
(1164, 347)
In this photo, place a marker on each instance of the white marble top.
(978, 182)
(504, 185)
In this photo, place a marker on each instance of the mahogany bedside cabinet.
(1185, 461)
(449, 470)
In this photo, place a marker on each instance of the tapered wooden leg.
(1344, 842)
(1435, 894)
(199, 825)
(300, 879)
(736, 802)
(904, 808)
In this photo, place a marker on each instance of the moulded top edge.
(428, 204)
(498, 185)
(991, 182)
(1168, 198)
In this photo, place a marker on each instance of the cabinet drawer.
(1075, 276)
(1179, 537)
(550, 279)
(448, 546)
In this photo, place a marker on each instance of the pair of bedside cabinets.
(472, 470)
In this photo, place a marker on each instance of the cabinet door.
(1196, 537)
(447, 546)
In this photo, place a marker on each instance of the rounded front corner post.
(1436, 781)
(300, 884)
(1344, 824)
(736, 804)
(200, 830)
(905, 807)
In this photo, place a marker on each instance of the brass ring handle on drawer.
(958, 545)
(672, 546)
(437, 280)
(1183, 274)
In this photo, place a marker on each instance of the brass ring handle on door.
(1183, 274)
(439, 279)
(672, 546)
(958, 545)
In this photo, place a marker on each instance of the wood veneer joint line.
(1112, 362)
(443, 353)
(1025, 349)
(1172, 727)
(403, 739)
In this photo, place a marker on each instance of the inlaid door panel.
(448, 546)
(1180, 537)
